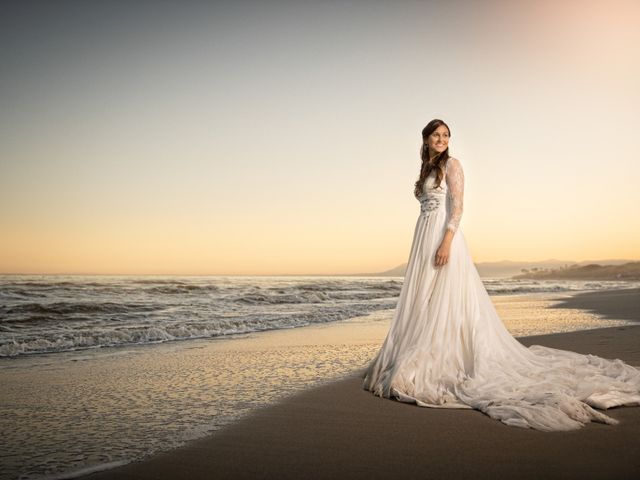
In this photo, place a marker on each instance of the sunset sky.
(274, 137)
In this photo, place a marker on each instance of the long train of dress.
(448, 348)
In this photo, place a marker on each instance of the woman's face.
(438, 141)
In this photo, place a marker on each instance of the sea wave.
(46, 314)
(59, 339)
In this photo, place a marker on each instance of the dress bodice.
(448, 196)
(432, 197)
(430, 184)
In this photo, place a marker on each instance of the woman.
(448, 348)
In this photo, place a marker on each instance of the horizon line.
(372, 274)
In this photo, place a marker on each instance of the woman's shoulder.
(454, 162)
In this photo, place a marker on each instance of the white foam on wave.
(49, 315)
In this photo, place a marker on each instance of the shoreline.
(605, 303)
(363, 436)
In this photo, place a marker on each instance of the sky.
(282, 137)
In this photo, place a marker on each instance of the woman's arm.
(455, 189)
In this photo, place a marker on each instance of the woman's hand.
(442, 255)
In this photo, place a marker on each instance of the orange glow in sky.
(284, 138)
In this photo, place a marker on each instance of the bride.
(448, 348)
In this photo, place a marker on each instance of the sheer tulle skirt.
(448, 348)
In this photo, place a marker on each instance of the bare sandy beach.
(339, 430)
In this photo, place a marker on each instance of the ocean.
(57, 313)
(97, 371)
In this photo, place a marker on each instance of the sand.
(340, 430)
(621, 304)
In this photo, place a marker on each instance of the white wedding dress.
(448, 348)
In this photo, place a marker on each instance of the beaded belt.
(431, 202)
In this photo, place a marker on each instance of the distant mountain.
(394, 272)
(507, 268)
(592, 271)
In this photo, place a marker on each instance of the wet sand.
(339, 430)
(614, 304)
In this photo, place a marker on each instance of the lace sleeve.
(455, 190)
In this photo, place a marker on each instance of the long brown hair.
(439, 162)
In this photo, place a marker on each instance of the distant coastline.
(551, 269)
(593, 271)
